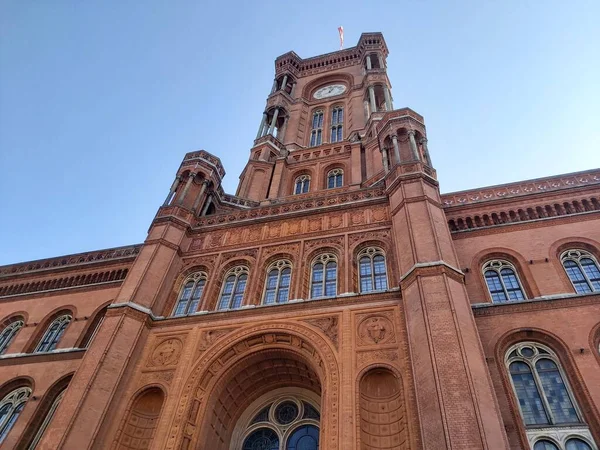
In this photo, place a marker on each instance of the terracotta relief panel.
(329, 326)
(166, 353)
(375, 329)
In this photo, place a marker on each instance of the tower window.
(323, 280)
(8, 334)
(372, 270)
(302, 184)
(337, 124)
(335, 178)
(277, 285)
(10, 408)
(232, 293)
(502, 282)
(190, 295)
(316, 135)
(582, 269)
(53, 334)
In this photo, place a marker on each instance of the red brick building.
(338, 299)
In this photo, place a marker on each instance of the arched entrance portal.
(268, 400)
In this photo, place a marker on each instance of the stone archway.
(246, 364)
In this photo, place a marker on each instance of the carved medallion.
(376, 330)
(166, 353)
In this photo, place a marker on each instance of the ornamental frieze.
(329, 326)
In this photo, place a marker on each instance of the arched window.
(323, 279)
(302, 184)
(190, 295)
(8, 334)
(577, 444)
(47, 419)
(232, 293)
(582, 269)
(53, 334)
(372, 270)
(335, 178)
(502, 281)
(93, 328)
(291, 422)
(316, 135)
(543, 393)
(337, 124)
(277, 285)
(10, 408)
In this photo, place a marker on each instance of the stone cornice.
(431, 269)
(202, 155)
(522, 188)
(536, 304)
(76, 260)
(61, 354)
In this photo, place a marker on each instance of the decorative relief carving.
(197, 244)
(251, 253)
(209, 337)
(314, 225)
(380, 214)
(254, 234)
(216, 240)
(334, 241)
(336, 221)
(166, 353)
(364, 358)
(161, 376)
(376, 329)
(286, 248)
(329, 325)
(382, 235)
(357, 218)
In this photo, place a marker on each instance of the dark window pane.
(262, 439)
(556, 393)
(577, 444)
(304, 438)
(528, 395)
(544, 445)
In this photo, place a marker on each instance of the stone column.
(413, 145)
(381, 63)
(369, 65)
(366, 106)
(273, 121)
(172, 190)
(274, 88)
(186, 188)
(200, 194)
(426, 151)
(372, 98)
(281, 132)
(262, 126)
(293, 89)
(206, 205)
(384, 155)
(284, 82)
(388, 98)
(396, 148)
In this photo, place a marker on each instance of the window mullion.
(540, 387)
(503, 286)
(585, 275)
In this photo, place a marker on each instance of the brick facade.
(393, 342)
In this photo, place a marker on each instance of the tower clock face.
(329, 91)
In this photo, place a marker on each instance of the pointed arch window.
(302, 184)
(337, 124)
(93, 329)
(190, 295)
(232, 292)
(335, 178)
(316, 134)
(372, 270)
(323, 279)
(53, 334)
(582, 269)
(502, 281)
(47, 419)
(277, 285)
(10, 408)
(8, 334)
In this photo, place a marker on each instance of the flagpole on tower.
(341, 31)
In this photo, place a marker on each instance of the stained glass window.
(304, 438)
(262, 439)
(582, 269)
(502, 282)
(10, 408)
(558, 399)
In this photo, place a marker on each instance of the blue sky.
(99, 101)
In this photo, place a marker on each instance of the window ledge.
(544, 302)
(55, 355)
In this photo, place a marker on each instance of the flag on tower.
(341, 31)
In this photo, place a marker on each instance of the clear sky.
(100, 100)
